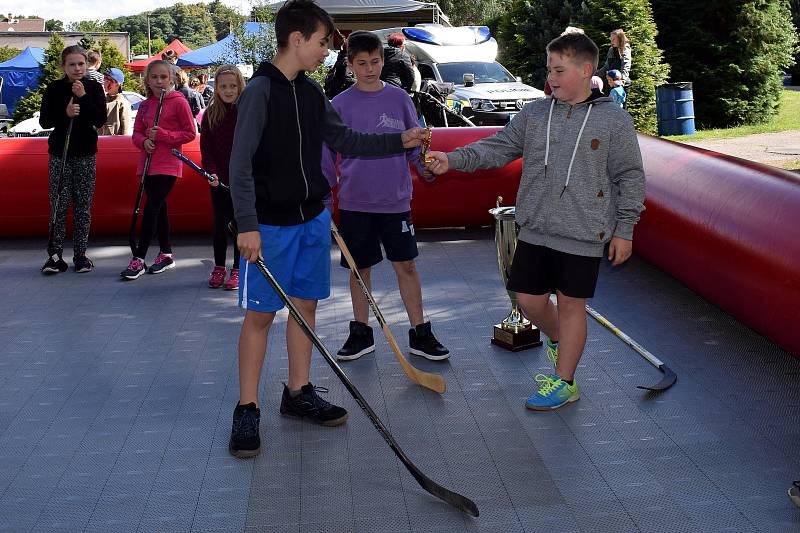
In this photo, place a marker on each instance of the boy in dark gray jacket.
(582, 187)
(277, 188)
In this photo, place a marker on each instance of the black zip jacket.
(275, 170)
(53, 114)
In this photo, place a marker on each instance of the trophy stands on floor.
(515, 332)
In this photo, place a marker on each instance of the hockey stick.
(434, 382)
(197, 168)
(59, 186)
(458, 501)
(135, 217)
(669, 378)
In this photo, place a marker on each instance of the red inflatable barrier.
(455, 200)
(727, 228)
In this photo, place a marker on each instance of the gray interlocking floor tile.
(116, 401)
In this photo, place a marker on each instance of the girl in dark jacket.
(77, 101)
(216, 142)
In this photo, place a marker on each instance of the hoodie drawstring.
(574, 150)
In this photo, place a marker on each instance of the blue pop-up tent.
(20, 74)
(221, 51)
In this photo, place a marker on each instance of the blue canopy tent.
(220, 51)
(20, 74)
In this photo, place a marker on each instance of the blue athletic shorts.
(300, 259)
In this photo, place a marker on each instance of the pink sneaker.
(135, 269)
(217, 277)
(233, 280)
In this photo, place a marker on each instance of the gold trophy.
(515, 332)
(424, 158)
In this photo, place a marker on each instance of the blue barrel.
(675, 108)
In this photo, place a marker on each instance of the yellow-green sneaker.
(552, 353)
(553, 393)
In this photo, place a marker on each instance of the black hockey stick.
(145, 170)
(669, 378)
(59, 187)
(458, 501)
(197, 168)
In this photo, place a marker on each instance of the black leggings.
(154, 217)
(223, 213)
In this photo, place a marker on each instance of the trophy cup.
(515, 332)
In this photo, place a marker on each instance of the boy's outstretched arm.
(490, 152)
(627, 174)
(339, 137)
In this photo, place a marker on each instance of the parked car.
(31, 128)
(483, 90)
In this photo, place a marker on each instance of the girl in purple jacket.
(216, 142)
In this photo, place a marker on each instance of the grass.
(788, 118)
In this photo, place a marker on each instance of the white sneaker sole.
(159, 271)
(357, 355)
(428, 356)
(132, 277)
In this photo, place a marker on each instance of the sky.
(75, 10)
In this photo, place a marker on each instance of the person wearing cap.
(617, 87)
(119, 121)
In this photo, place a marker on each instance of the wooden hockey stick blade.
(458, 501)
(667, 381)
(429, 380)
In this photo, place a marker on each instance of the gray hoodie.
(579, 189)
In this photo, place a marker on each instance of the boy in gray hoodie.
(582, 188)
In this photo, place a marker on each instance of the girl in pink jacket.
(176, 127)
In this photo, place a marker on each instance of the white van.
(485, 92)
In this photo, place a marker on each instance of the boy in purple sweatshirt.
(375, 198)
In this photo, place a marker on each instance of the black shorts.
(365, 232)
(541, 270)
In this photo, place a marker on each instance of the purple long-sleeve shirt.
(373, 184)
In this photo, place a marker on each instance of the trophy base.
(515, 342)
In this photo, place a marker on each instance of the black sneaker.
(360, 342)
(309, 405)
(421, 341)
(162, 263)
(135, 269)
(794, 493)
(245, 441)
(54, 266)
(82, 264)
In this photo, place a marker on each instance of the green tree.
(156, 45)
(253, 48)
(471, 12)
(734, 53)
(53, 25)
(51, 71)
(195, 25)
(600, 17)
(523, 32)
(8, 52)
(794, 5)
(87, 26)
(87, 42)
(224, 18)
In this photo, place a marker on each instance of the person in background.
(176, 127)
(192, 96)
(119, 121)
(216, 142)
(205, 90)
(397, 67)
(171, 56)
(617, 92)
(71, 105)
(93, 71)
(618, 57)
